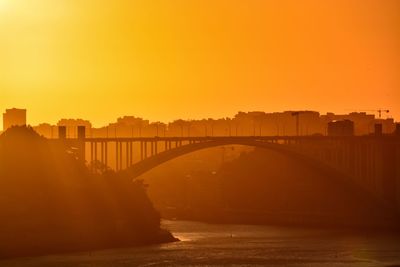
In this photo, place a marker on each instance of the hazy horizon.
(164, 60)
(170, 120)
(204, 147)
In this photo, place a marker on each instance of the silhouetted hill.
(49, 202)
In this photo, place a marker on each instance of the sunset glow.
(164, 60)
(199, 133)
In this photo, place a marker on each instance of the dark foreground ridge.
(50, 202)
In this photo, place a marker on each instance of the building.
(341, 128)
(71, 127)
(14, 117)
(46, 130)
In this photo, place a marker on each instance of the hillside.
(49, 202)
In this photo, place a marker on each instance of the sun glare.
(3, 4)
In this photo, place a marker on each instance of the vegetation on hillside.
(50, 202)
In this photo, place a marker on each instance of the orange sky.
(100, 59)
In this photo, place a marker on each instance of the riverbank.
(38, 244)
(297, 219)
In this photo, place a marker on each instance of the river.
(240, 245)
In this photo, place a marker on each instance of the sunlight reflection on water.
(239, 245)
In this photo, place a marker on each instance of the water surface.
(240, 245)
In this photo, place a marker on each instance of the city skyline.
(200, 133)
(377, 113)
(253, 123)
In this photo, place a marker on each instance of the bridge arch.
(147, 164)
(317, 165)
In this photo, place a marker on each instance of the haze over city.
(199, 133)
(165, 60)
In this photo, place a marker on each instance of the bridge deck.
(219, 138)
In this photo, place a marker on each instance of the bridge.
(370, 162)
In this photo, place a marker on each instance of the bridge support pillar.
(81, 143)
(128, 154)
(120, 155)
(105, 155)
(102, 155)
(141, 150)
(389, 183)
(95, 155)
(91, 156)
(116, 156)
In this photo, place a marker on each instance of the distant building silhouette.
(14, 117)
(46, 130)
(378, 129)
(62, 132)
(341, 128)
(71, 127)
(364, 123)
(397, 130)
(255, 123)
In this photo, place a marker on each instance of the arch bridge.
(371, 162)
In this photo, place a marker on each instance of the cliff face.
(49, 202)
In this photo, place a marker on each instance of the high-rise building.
(14, 117)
